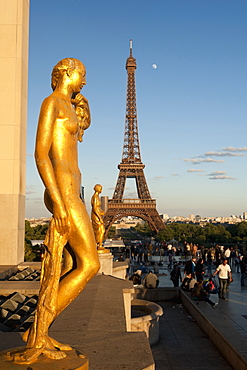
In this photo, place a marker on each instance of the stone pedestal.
(106, 262)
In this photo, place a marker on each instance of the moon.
(154, 66)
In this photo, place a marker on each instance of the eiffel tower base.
(144, 210)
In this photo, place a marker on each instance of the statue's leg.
(38, 341)
(100, 238)
(68, 260)
(37, 338)
(82, 243)
(68, 264)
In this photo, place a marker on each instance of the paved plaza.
(183, 345)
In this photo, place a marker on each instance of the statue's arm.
(47, 118)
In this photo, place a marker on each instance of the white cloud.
(221, 177)
(201, 160)
(232, 149)
(157, 178)
(193, 170)
(175, 174)
(215, 173)
(224, 154)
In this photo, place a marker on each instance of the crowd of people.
(198, 273)
(194, 279)
(141, 252)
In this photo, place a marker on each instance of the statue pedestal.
(74, 360)
(106, 262)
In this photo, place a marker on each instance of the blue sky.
(192, 109)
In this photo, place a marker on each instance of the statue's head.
(64, 66)
(98, 188)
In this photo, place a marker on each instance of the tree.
(112, 232)
(165, 234)
(33, 233)
(29, 254)
(143, 229)
(242, 229)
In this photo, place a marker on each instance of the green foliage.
(33, 233)
(200, 239)
(165, 234)
(112, 232)
(183, 232)
(29, 255)
(143, 230)
(217, 234)
(208, 234)
(242, 229)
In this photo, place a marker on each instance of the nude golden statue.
(63, 118)
(97, 220)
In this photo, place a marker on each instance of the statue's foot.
(30, 355)
(102, 250)
(25, 356)
(51, 343)
(58, 345)
(53, 354)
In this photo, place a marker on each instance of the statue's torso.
(64, 152)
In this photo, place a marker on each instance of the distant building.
(164, 216)
(191, 217)
(128, 222)
(38, 221)
(104, 203)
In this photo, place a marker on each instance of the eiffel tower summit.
(131, 166)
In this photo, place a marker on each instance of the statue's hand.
(82, 110)
(61, 219)
(79, 100)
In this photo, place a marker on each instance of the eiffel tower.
(132, 167)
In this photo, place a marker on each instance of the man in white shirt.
(169, 247)
(151, 281)
(224, 271)
(227, 253)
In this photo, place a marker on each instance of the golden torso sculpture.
(63, 118)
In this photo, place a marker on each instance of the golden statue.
(63, 118)
(97, 220)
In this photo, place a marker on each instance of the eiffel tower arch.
(131, 166)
